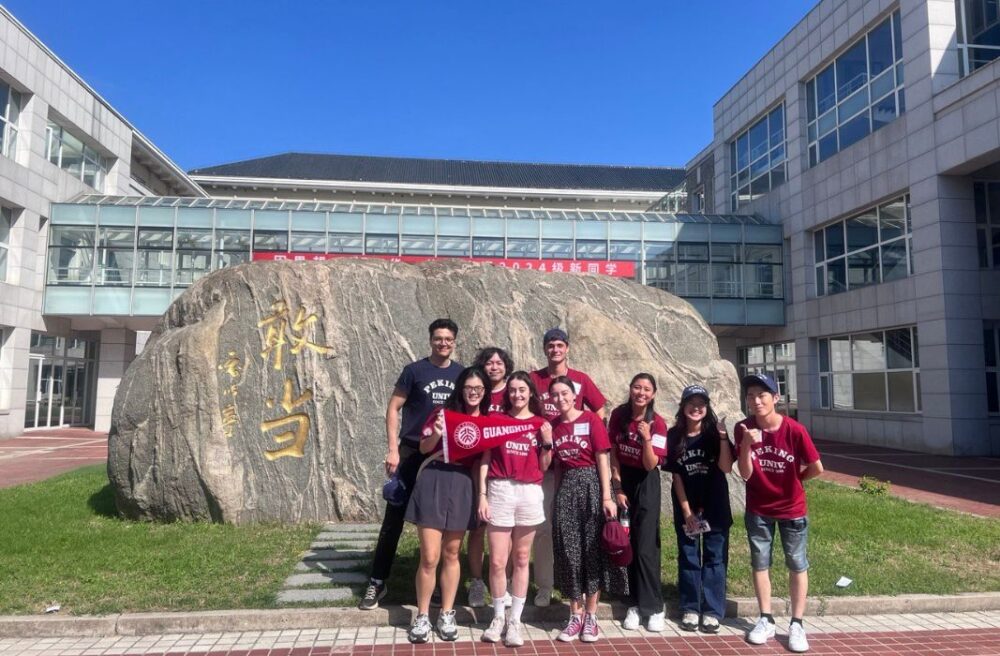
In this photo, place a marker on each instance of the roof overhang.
(239, 182)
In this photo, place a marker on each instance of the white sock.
(516, 607)
(498, 607)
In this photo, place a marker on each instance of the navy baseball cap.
(694, 390)
(759, 379)
(394, 491)
(553, 334)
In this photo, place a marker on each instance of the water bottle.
(623, 519)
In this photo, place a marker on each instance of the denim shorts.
(794, 535)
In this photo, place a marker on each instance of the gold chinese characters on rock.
(232, 370)
(282, 332)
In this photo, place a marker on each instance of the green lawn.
(62, 542)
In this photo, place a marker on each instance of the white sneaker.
(797, 638)
(513, 636)
(477, 593)
(657, 622)
(689, 621)
(761, 632)
(494, 631)
(632, 619)
(544, 597)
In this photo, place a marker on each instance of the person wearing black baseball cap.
(555, 343)
(700, 458)
(776, 455)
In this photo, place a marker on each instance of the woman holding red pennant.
(583, 502)
(511, 501)
(442, 508)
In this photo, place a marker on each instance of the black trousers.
(410, 460)
(643, 491)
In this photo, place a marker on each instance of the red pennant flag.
(467, 435)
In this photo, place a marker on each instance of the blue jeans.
(794, 536)
(701, 572)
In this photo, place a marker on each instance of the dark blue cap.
(759, 379)
(694, 390)
(394, 491)
(553, 334)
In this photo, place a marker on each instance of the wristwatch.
(547, 446)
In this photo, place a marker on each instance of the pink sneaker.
(590, 631)
(572, 630)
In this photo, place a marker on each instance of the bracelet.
(482, 494)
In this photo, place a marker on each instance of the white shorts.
(513, 503)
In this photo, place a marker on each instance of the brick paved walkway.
(969, 485)
(38, 455)
(940, 634)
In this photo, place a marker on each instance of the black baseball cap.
(759, 379)
(694, 390)
(553, 334)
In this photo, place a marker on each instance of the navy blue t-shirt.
(705, 485)
(426, 387)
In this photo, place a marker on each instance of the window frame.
(55, 145)
(775, 155)
(829, 370)
(8, 124)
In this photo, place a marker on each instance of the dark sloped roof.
(466, 173)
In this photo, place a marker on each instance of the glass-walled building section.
(132, 256)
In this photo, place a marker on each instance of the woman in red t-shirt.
(442, 508)
(639, 439)
(497, 365)
(511, 501)
(583, 500)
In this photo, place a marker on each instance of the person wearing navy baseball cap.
(700, 457)
(776, 455)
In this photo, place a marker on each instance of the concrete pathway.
(339, 558)
(41, 454)
(967, 484)
(970, 634)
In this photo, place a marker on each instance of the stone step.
(331, 565)
(363, 547)
(352, 528)
(316, 595)
(345, 537)
(324, 578)
(334, 554)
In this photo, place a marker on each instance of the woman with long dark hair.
(442, 508)
(639, 446)
(583, 501)
(497, 365)
(511, 501)
(700, 458)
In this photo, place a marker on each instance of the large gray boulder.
(261, 394)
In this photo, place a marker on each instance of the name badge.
(659, 441)
(577, 387)
(581, 429)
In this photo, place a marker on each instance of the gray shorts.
(794, 535)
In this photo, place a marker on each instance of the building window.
(73, 156)
(858, 93)
(698, 200)
(978, 35)
(876, 372)
(991, 346)
(987, 202)
(757, 159)
(777, 361)
(872, 247)
(10, 109)
(6, 223)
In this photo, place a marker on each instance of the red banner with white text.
(619, 269)
(466, 436)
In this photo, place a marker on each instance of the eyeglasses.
(443, 340)
(479, 389)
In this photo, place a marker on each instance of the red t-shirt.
(517, 457)
(496, 400)
(774, 489)
(628, 444)
(428, 430)
(587, 394)
(577, 443)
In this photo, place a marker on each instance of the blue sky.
(582, 82)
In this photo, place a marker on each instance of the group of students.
(558, 486)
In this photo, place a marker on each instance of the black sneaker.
(373, 594)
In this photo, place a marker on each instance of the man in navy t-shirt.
(422, 386)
